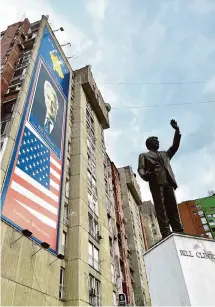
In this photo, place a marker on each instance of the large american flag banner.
(34, 191)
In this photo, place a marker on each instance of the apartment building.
(131, 199)
(150, 223)
(125, 281)
(56, 233)
(89, 257)
(198, 216)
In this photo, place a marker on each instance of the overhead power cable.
(154, 83)
(165, 105)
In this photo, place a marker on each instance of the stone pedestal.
(181, 271)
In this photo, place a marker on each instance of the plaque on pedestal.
(181, 271)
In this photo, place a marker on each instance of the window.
(65, 214)
(111, 249)
(67, 189)
(93, 226)
(69, 147)
(203, 219)
(3, 146)
(201, 212)
(68, 165)
(19, 72)
(209, 234)
(94, 291)
(95, 206)
(64, 241)
(2, 143)
(4, 127)
(69, 131)
(93, 253)
(34, 34)
(110, 226)
(90, 201)
(7, 110)
(114, 299)
(206, 228)
(113, 274)
(61, 288)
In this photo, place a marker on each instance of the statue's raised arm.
(176, 140)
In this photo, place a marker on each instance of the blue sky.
(134, 41)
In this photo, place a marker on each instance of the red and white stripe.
(55, 174)
(41, 202)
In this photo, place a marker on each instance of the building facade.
(198, 216)
(131, 199)
(150, 223)
(125, 281)
(55, 227)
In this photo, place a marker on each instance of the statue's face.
(154, 143)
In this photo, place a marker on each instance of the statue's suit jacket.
(159, 161)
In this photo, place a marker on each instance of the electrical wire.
(153, 83)
(165, 105)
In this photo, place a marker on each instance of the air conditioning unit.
(99, 236)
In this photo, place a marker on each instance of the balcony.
(29, 43)
(17, 80)
(85, 78)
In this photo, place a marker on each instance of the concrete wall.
(184, 266)
(27, 280)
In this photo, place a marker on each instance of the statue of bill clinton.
(154, 167)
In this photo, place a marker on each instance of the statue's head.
(152, 143)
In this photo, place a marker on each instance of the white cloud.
(97, 8)
(202, 6)
(195, 173)
(144, 189)
(111, 139)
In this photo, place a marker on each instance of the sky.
(152, 53)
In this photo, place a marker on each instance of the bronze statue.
(154, 167)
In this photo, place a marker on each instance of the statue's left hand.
(174, 124)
